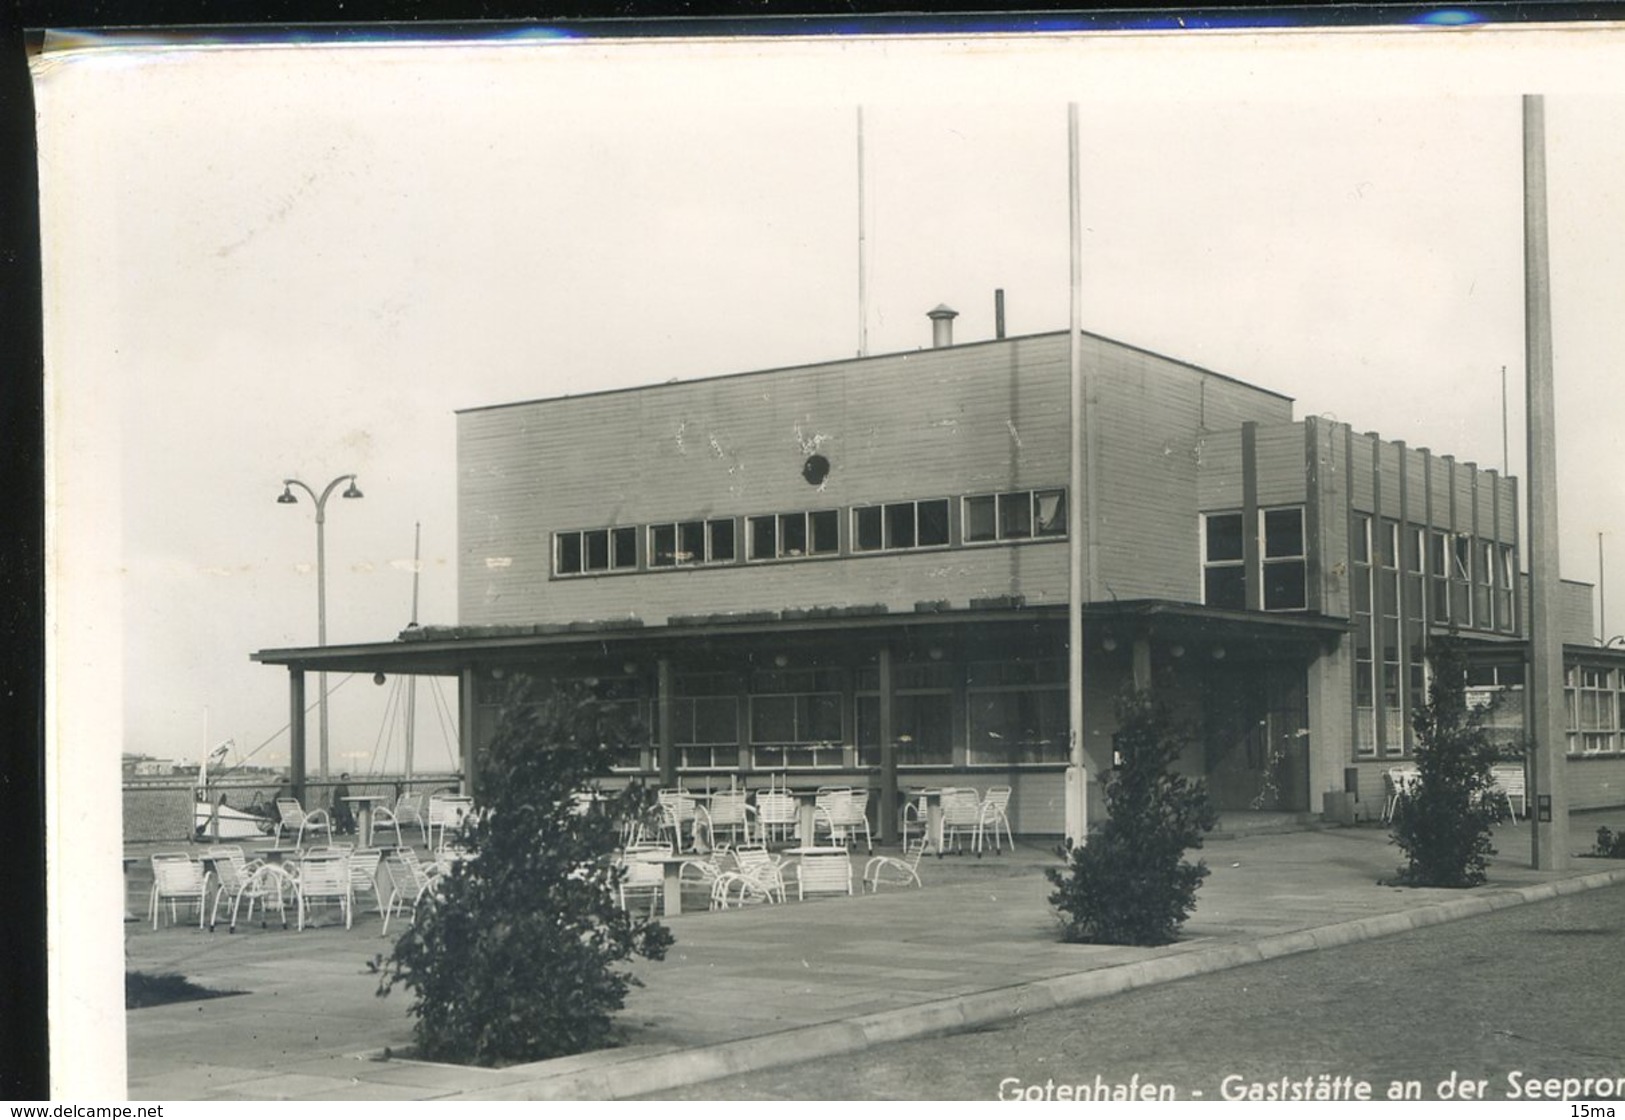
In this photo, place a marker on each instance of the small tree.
(1443, 823)
(1130, 884)
(512, 959)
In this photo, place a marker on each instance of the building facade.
(857, 572)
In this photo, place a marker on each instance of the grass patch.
(148, 989)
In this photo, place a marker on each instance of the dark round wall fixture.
(815, 469)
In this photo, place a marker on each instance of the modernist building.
(857, 571)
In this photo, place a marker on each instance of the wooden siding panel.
(1219, 480)
(1361, 485)
(1387, 463)
(1281, 465)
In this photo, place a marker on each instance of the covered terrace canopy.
(1137, 628)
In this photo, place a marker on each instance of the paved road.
(1535, 991)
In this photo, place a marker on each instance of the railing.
(165, 808)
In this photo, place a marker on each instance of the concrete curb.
(613, 1075)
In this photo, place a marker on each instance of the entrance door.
(1256, 746)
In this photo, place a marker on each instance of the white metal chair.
(827, 871)
(892, 871)
(961, 813)
(729, 813)
(916, 813)
(409, 880)
(265, 885)
(994, 815)
(176, 878)
(735, 890)
(325, 877)
(679, 811)
(447, 811)
(776, 814)
(848, 815)
(763, 867)
(407, 810)
(293, 816)
(642, 879)
(1508, 782)
(364, 864)
(1399, 781)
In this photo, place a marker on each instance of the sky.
(283, 262)
(276, 262)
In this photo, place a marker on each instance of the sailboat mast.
(412, 681)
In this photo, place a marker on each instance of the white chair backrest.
(364, 865)
(826, 873)
(1508, 779)
(728, 807)
(291, 812)
(775, 807)
(325, 876)
(177, 874)
(676, 804)
(997, 797)
(960, 807)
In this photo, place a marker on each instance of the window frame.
(1034, 520)
(620, 544)
(884, 511)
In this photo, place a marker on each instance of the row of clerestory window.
(1010, 516)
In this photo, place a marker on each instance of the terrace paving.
(748, 989)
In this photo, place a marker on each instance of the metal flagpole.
(1548, 833)
(1077, 800)
(411, 679)
(863, 252)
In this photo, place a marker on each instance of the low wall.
(160, 811)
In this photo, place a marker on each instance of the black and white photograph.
(911, 563)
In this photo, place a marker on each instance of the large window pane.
(900, 525)
(980, 519)
(722, 539)
(764, 540)
(1226, 587)
(1224, 539)
(932, 523)
(1283, 532)
(866, 528)
(1284, 588)
(597, 542)
(662, 546)
(569, 553)
(691, 542)
(1016, 515)
(792, 534)
(1051, 509)
(625, 541)
(826, 531)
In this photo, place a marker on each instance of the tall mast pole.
(1077, 801)
(1548, 832)
(412, 680)
(863, 252)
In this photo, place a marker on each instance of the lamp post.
(287, 498)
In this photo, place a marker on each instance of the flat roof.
(446, 651)
(832, 363)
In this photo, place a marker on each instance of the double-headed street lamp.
(287, 498)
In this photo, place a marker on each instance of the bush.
(512, 961)
(1610, 844)
(1130, 884)
(1443, 824)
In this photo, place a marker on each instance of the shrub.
(1130, 884)
(1610, 844)
(1443, 824)
(513, 959)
